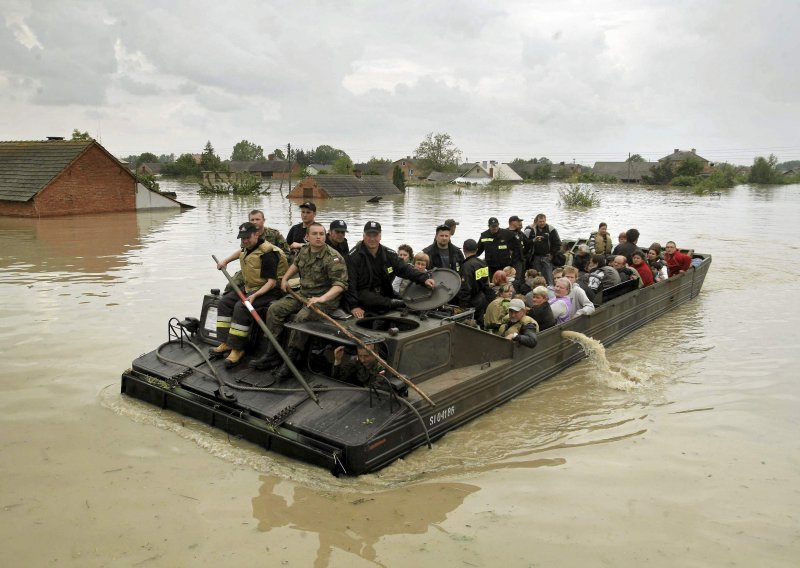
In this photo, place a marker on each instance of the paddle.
(360, 343)
(268, 334)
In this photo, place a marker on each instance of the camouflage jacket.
(354, 372)
(275, 237)
(319, 271)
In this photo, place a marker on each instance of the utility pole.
(289, 157)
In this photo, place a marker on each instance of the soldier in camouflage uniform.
(323, 278)
(364, 371)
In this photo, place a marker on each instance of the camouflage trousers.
(285, 307)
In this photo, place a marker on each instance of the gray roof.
(680, 155)
(623, 170)
(351, 186)
(320, 167)
(28, 167)
(154, 167)
(259, 166)
(442, 176)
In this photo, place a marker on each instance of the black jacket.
(456, 256)
(370, 283)
(496, 247)
(475, 291)
(550, 243)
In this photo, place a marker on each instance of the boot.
(234, 358)
(219, 351)
(269, 360)
(293, 354)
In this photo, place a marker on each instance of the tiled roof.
(351, 186)
(27, 167)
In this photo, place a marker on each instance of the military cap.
(246, 229)
(338, 225)
(493, 221)
(372, 227)
(308, 205)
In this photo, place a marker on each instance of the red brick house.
(62, 177)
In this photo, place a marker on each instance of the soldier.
(263, 264)
(452, 224)
(494, 241)
(475, 291)
(364, 371)
(323, 278)
(269, 234)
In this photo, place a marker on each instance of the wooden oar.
(360, 343)
(268, 334)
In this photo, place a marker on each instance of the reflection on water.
(84, 248)
(353, 523)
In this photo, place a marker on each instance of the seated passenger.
(620, 264)
(498, 308)
(498, 279)
(657, 266)
(364, 371)
(601, 276)
(581, 258)
(645, 274)
(373, 267)
(581, 304)
(562, 303)
(541, 310)
(535, 283)
(406, 254)
(421, 261)
(676, 261)
(323, 278)
(263, 265)
(518, 326)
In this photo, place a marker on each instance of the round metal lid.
(448, 283)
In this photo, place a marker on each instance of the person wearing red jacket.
(676, 261)
(641, 266)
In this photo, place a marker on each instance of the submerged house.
(679, 156)
(327, 186)
(266, 169)
(69, 177)
(631, 172)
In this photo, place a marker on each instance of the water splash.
(612, 375)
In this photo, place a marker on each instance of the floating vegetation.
(578, 196)
(233, 184)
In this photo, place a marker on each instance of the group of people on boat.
(526, 282)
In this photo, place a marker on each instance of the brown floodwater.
(680, 448)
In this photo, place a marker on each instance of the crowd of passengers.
(526, 282)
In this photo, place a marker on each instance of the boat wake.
(611, 375)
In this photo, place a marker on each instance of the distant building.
(475, 174)
(328, 186)
(317, 169)
(678, 157)
(266, 169)
(149, 168)
(62, 177)
(408, 166)
(442, 177)
(631, 172)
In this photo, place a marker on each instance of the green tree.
(327, 154)
(635, 158)
(278, 153)
(146, 157)
(343, 165)
(661, 173)
(78, 135)
(166, 158)
(438, 152)
(689, 167)
(398, 178)
(246, 151)
(209, 161)
(764, 170)
(184, 166)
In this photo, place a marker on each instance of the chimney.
(357, 173)
(694, 151)
(677, 150)
(54, 138)
(491, 173)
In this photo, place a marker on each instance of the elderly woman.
(562, 303)
(541, 311)
(498, 308)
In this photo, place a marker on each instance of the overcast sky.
(582, 80)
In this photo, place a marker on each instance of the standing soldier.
(296, 237)
(323, 278)
(263, 264)
(475, 291)
(494, 242)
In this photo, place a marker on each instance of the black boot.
(269, 360)
(293, 354)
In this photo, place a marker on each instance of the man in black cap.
(452, 224)
(519, 246)
(337, 237)
(373, 267)
(442, 252)
(494, 242)
(263, 265)
(296, 237)
(475, 291)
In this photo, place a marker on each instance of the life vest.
(251, 265)
(517, 326)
